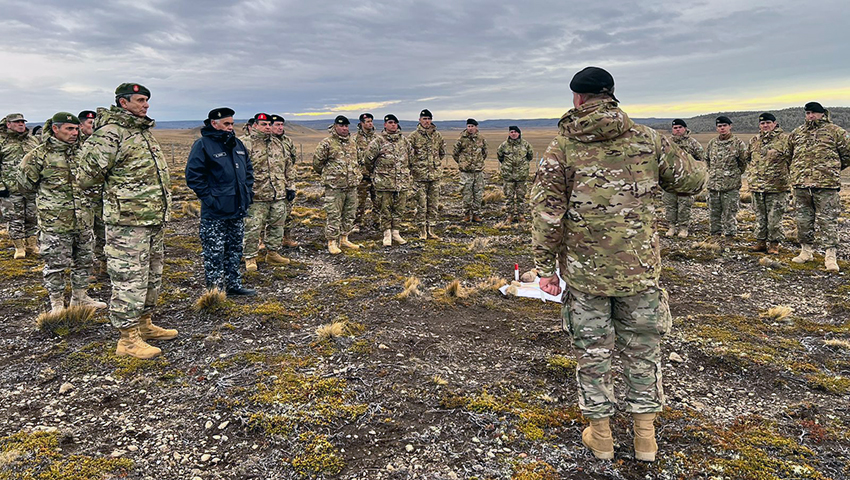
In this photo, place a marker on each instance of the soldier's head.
(248, 125)
(133, 98)
(814, 111)
(341, 124)
(471, 126)
(425, 118)
(679, 127)
(514, 132)
(262, 123)
(767, 122)
(390, 123)
(591, 83)
(87, 121)
(277, 124)
(65, 127)
(367, 122)
(723, 125)
(221, 118)
(16, 122)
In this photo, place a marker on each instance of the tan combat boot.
(132, 344)
(433, 235)
(388, 238)
(683, 232)
(345, 243)
(80, 297)
(32, 245)
(274, 258)
(149, 331)
(644, 427)
(250, 264)
(830, 262)
(423, 232)
(57, 302)
(333, 247)
(20, 248)
(805, 254)
(597, 437)
(398, 238)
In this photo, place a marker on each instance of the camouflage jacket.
(49, 172)
(470, 152)
(363, 138)
(690, 145)
(123, 155)
(769, 162)
(271, 165)
(13, 147)
(726, 161)
(389, 159)
(819, 151)
(593, 200)
(429, 150)
(336, 160)
(514, 156)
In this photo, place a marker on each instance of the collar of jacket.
(123, 118)
(261, 136)
(724, 137)
(427, 131)
(513, 141)
(815, 124)
(53, 144)
(364, 132)
(393, 137)
(768, 136)
(595, 121)
(684, 136)
(221, 136)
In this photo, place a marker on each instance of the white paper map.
(532, 290)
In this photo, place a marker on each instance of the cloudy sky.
(481, 58)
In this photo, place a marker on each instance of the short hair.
(126, 96)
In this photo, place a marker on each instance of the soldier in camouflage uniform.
(18, 208)
(291, 155)
(469, 152)
(819, 151)
(364, 136)
(594, 216)
(726, 158)
(64, 213)
(677, 208)
(769, 161)
(389, 160)
(336, 159)
(514, 155)
(123, 157)
(87, 118)
(429, 150)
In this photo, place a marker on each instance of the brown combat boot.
(644, 427)
(132, 344)
(250, 264)
(288, 242)
(597, 437)
(477, 218)
(773, 248)
(20, 248)
(32, 245)
(466, 218)
(344, 242)
(433, 235)
(333, 247)
(760, 246)
(79, 296)
(274, 258)
(149, 331)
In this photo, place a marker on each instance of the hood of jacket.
(595, 121)
(221, 136)
(123, 118)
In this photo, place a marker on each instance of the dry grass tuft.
(411, 289)
(310, 196)
(65, 321)
(438, 380)
(746, 216)
(746, 197)
(492, 283)
(191, 209)
(706, 245)
(779, 312)
(492, 196)
(834, 342)
(339, 328)
(455, 290)
(210, 300)
(478, 245)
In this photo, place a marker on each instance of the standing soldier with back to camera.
(18, 207)
(677, 208)
(514, 156)
(726, 159)
(769, 162)
(469, 153)
(594, 215)
(429, 150)
(364, 136)
(389, 160)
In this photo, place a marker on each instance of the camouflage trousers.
(268, 217)
(364, 190)
(677, 209)
(19, 211)
(134, 260)
(769, 207)
(723, 210)
(632, 326)
(66, 251)
(99, 230)
(427, 203)
(287, 224)
(817, 204)
(221, 241)
(341, 206)
(472, 189)
(392, 207)
(515, 193)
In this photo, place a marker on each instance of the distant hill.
(747, 122)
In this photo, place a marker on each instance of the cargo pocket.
(663, 318)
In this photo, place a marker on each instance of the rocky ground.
(336, 370)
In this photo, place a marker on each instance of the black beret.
(723, 119)
(132, 88)
(390, 117)
(65, 117)
(251, 121)
(425, 113)
(471, 121)
(814, 107)
(680, 123)
(262, 116)
(277, 118)
(514, 128)
(219, 113)
(767, 117)
(364, 116)
(593, 80)
(86, 114)
(341, 120)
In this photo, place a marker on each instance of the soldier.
(514, 155)
(677, 208)
(769, 161)
(289, 152)
(124, 157)
(95, 193)
(389, 160)
(18, 208)
(364, 136)
(429, 150)
(726, 158)
(469, 152)
(64, 213)
(605, 241)
(248, 125)
(220, 173)
(819, 151)
(336, 160)
(86, 124)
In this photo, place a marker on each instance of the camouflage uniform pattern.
(72, 251)
(514, 157)
(18, 208)
(134, 261)
(821, 206)
(291, 154)
(469, 153)
(677, 208)
(389, 159)
(365, 189)
(336, 159)
(341, 207)
(429, 150)
(726, 159)
(221, 241)
(272, 157)
(767, 179)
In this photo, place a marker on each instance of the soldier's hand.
(551, 285)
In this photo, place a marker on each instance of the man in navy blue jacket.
(221, 175)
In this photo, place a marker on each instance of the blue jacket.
(221, 175)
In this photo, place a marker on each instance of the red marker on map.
(516, 272)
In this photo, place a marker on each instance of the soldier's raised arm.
(678, 172)
(97, 157)
(550, 201)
